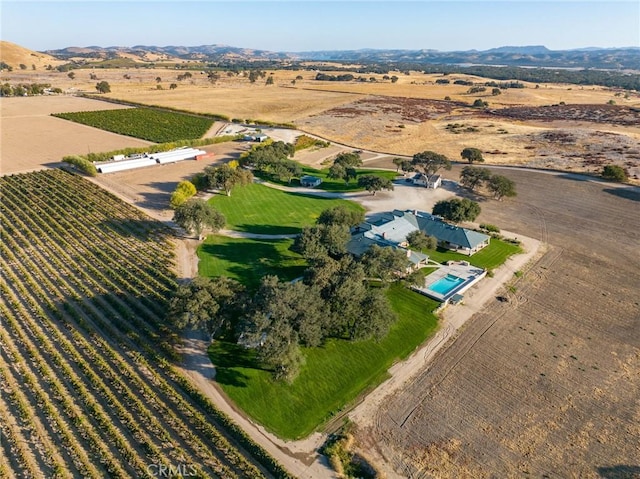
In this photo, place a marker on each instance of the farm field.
(520, 127)
(86, 389)
(546, 383)
(23, 150)
(259, 209)
(333, 375)
(144, 123)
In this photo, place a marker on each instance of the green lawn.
(259, 209)
(330, 184)
(248, 260)
(333, 375)
(490, 257)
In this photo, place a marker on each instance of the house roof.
(435, 226)
(392, 228)
(361, 242)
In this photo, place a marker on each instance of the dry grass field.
(31, 137)
(520, 127)
(546, 384)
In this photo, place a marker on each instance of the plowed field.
(546, 384)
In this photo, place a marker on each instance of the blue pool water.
(446, 284)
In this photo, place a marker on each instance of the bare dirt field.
(150, 188)
(546, 384)
(31, 137)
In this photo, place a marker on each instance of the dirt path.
(298, 457)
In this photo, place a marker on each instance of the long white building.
(150, 159)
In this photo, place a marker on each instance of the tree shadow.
(266, 229)
(164, 186)
(145, 230)
(630, 193)
(228, 357)
(154, 201)
(620, 471)
(252, 260)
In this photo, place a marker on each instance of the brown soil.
(545, 384)
(612, 114)
(31, 137)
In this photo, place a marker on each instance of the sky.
(301, 25)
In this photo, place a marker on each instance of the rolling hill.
(15, 55)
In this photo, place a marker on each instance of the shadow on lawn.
(250, 262)
(226, 357)
(266, 229)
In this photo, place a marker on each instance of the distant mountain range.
(528, 56)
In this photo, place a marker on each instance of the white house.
(420, 179)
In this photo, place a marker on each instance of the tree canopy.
(473, 176)
(420, 240)
(212, 305)
(501, 186)
(430, 162)
(103, 87)
(375, 183)
(316, 242)
(472, 155)
(348, 160)
(340, 215)
(182, 193)
(457, 209)
(227, 178)
(196, 215)
(384, 262)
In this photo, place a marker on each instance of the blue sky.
(311, 25)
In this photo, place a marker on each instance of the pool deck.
(461, 269)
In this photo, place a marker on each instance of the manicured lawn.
(259, 209)
(248, 260)
(333, 375)
(330, 184)
(490, 257)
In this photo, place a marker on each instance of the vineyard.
(87, 385)
(145, 123)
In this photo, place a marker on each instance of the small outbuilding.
(433, 182)
(309, 181)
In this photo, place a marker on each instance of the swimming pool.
(445, 285)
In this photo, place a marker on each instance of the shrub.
(81, 164)
(182, 193)
(304, 141)
(615, 172)
(490, 228)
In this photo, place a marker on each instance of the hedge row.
(81, 164)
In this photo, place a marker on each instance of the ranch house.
(391, 229)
